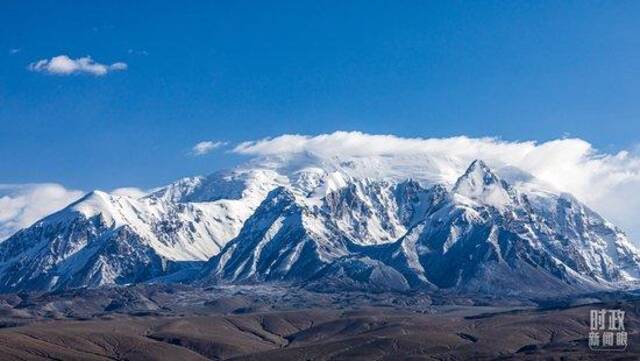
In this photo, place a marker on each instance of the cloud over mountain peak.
(610, 183)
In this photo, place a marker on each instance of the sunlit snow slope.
(354, 224)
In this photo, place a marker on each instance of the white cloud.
(14, 51)
(21, 205)
(205, 147)
(610, 183)
(64, 65)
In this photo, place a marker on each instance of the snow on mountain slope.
(283, 240)
(108, 239)
(366, 211)
(479, 235)
(506, 240)
(342, 223)
(480, 184)
(67, 251)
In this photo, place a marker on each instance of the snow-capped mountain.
(484, 235)
(106, 239)
(285, 239)
(336, 224)
(479, 235)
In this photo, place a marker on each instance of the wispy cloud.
(138, 52)
(610, 183)
(205, 147)
(14, 51)
(23, 204)
(131, 192)
(64, 65)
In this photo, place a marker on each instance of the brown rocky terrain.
(182, 323)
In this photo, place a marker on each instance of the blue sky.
(237, 71)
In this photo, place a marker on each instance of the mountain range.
(329, 227)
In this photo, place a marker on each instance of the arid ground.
(175, 323)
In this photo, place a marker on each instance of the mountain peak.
(479, 170)
(92, 201)
(481, 184)
(478, 174)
